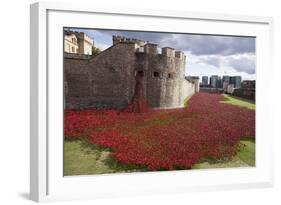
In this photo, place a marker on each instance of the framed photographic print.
(127, 102)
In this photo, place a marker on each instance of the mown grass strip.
(239, 102)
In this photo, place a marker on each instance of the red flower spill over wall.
(138, 103)
(166, 139)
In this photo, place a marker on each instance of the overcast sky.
(206, 54)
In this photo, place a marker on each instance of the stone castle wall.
(103, 81)
(188, 89)
(108, 79)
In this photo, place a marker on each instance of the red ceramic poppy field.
(169, 139)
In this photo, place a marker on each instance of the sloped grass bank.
(82, 158)
(239, 102)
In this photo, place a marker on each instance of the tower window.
(170, 75)
(141, 73)
(156, 74)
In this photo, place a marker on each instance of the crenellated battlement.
(123, 39)
(149, 48)
(167, 51)
(83, 36)
(179, 54)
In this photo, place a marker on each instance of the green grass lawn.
(82, 158)
(247, 152)
(238, 101)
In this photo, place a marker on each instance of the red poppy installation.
(167, 139)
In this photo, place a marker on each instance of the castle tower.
(179, 54)
(150, 48)
(169, 52)
(117, 39)
(85, 43)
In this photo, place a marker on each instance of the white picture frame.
(46, 179)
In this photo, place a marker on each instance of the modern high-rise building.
(225, 82)
(225, 78)
(205, 81)
(236, 81)
(213, 81)
(219, 82)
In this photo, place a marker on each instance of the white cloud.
(238, 62)
(242, 63)
(208, 54)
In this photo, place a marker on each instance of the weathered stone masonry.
(108, 79)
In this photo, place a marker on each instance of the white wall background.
(14, 101)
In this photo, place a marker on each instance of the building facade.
(77, 43)
(226, 78)
(213, 81)
(71, 43)
(205, 80)
(108, 80)
(236, 81)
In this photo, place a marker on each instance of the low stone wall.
(188, 89)
(211, 90)
(247, 93)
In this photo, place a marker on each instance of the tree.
(95, 51)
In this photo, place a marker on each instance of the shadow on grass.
(120, 167)
(212, 160)
(249, 139)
